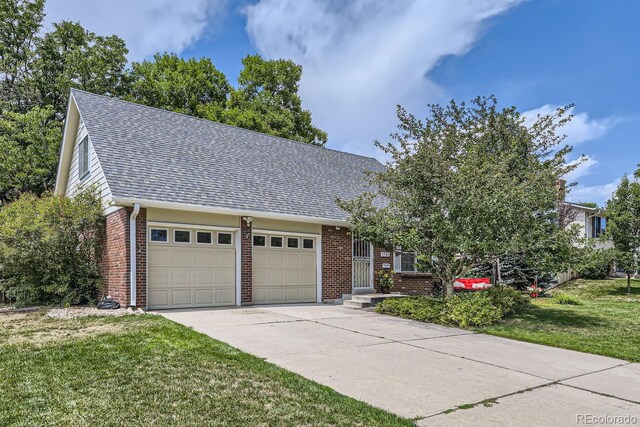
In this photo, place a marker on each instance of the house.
(204, 214)
(591, 220)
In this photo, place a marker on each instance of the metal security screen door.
(362, 264)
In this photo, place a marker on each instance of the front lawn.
(146, 370)
(607, 322)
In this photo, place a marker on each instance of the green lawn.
(146, 370)
(607, 322)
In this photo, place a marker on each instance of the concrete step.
(374, 299)
(356, 304)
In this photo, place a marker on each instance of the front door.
(362, 264)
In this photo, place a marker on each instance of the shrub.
(507, 299)
(565, 299)
(50, 248)
(471, 309)
(595, 264)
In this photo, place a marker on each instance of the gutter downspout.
(132, 253)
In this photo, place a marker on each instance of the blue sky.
(363, 57)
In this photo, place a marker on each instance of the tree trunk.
(449, 290)
(628, 283)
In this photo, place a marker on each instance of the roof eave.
(145, 203)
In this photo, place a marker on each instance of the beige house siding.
(96, 176)
(286, 226)
(191, 217)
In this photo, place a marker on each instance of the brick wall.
(246, 256)
(115, 262)
(336, 262)
(405, 283)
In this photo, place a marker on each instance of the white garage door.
(190, 267)
(284, 269)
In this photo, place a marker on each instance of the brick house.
(204, 214)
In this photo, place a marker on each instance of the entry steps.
(368, 300)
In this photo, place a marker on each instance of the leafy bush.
(565, 299)
(471, 309)
(595, 264)
(507, 299)
(50, 248)
(465, 310)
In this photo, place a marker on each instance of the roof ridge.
(222, 124)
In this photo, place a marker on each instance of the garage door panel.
(284, 275)
(159, 298)
(159, 256)
(190, 275)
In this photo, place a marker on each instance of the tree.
(194, 87)
(267, 101)
(29, 147)
(623, 224)
(70, 56)
(20, 21)
(469, 184)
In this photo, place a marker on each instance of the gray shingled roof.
(153, 154)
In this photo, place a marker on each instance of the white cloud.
(584, 168)
(581, 128)
(362, 58)
(594, 193)
(147, 26)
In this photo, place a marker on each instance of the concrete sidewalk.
(426, 371)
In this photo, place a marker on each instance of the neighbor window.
(203, 237)
(275, 242)
(307, 243)
(598, 226)
(181, 236)
(292, 242)
(405, 261)
(224, 238)
(159, 235)
(83, 158)
(259, 241)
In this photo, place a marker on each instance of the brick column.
(336, 262)
(141, 258)
(246, 268)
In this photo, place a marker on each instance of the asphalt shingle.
(152, 154)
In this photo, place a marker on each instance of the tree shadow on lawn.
(622, 290)
(548, 316)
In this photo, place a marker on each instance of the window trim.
(397, 261)
(204, 244)
(158, 241)
(297, 239)
(276, 247)
(83, 148)
(218, 233)
(182, 243)
(313, 243)
(253, 242)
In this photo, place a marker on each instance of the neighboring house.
(204, 214)
(592, 222)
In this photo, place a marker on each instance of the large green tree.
(70, 56)
(267, 100)
(20, 21)
(468, 184)
(29, 146)
(623, 224)
(190, 86)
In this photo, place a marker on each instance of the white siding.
(95, 177)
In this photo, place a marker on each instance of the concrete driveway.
(426, 371)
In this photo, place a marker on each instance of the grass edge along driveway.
(147, 370)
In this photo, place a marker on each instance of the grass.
(606, 322)
(146, 370)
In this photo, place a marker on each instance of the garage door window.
(307, 243)
(203, 238)
(260, 241)
(181, 236)
(224, 239)
(159, 235)
(293, 242)
(276, 242)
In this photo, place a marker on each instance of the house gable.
(68, 180)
